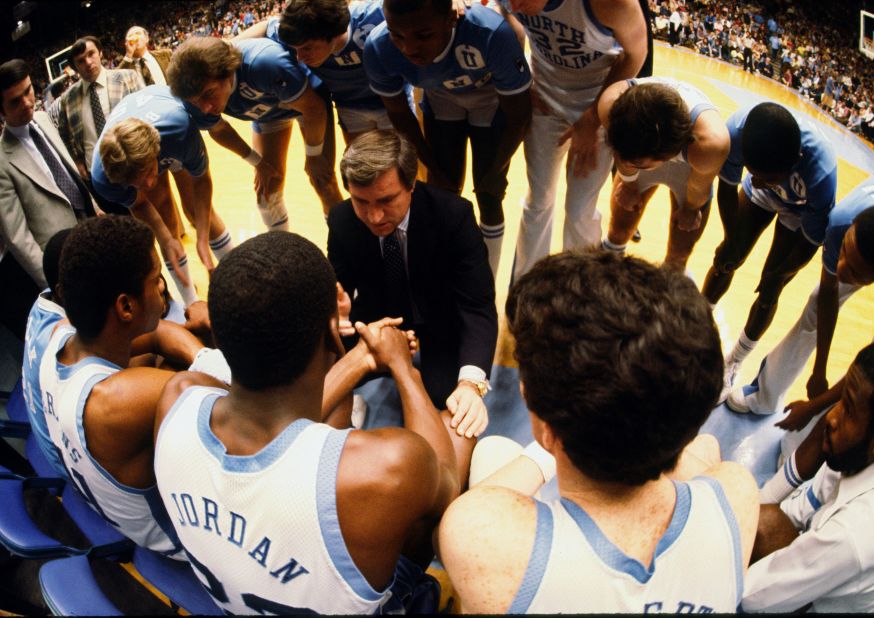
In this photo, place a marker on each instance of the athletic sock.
(784, 481)
(273, 211)
(493, 235)
(222, 245)
(609, 246)
(187, 292)
(742, 348)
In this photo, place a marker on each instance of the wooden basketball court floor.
(729, 88)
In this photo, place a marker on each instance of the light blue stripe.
(326, 503)
(536, 563)
(244, 463)
(735, 533)
(811, 497)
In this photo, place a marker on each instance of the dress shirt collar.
(100, 81)
(22, 132)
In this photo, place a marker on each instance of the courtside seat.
(176, 580)
(18, 533)
(70, 589)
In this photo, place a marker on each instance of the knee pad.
(273, 211)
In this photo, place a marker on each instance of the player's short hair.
(199, 60)
(270, 303)
(649, 121)
(11, 72)
(864, 361)
(102, 258)
(770, 139)
(127, 149)
(308, 20)
(619, 357)
(405, 7)
(376, 152)
(51, 258)
(78, 48)
(864, 224)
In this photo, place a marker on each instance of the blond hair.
(375, 153)
(127, 149)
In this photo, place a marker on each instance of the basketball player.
(99, 411)
(815, 548)
(793, 177)
(475, 80)
(577, 50)
(847, 265)
(258, 80)
(148, 133)
(662, 132)
(277, 511)
(598, 340)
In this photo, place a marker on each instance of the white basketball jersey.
(571, 54)
(697, 566)
(136, 513)
(261, 531)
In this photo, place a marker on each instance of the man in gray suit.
(40, 193)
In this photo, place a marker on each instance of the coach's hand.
(469, 414)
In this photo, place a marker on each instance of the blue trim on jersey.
(329, 522)
(65, 372)
(261, 460)
(80, 429)
(614, 557)
(587, 7)
(735, 531)
(811, 497)
(841, 218)
(162, 518)
(191, 391)
(536, 563)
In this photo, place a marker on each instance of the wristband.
(542, 458)
(253, 158)
(630, 178)
(314, 151)
(212, 362)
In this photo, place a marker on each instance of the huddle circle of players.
(245, 464)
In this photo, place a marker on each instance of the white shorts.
(272, 126)
(766, 200)
(360, 120)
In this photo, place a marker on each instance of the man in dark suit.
(40, 194)
(407, 249)
(150, 64)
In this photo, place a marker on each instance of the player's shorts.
(672, 174)
(263, 127)
(787, 214)
(354, 120)
(477, 107)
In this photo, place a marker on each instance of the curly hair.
(102, 258)
(270, 302)
(619, 357)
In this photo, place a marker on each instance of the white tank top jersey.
(571, 54)
(697, 567)
(261, 531)
(136, 513)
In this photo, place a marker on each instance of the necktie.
(96, 110)
(397, 292)
(62, 177)
(145, 72)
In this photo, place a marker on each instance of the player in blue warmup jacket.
(476, 85)
(258, 80)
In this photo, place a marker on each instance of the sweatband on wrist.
(212, 362)
(630, 178)
(314, 151)
(543, 458)
(253, 158)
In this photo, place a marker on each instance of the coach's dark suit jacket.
(450, 281)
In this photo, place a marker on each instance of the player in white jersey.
(268, 501)
(99, 412)
(599, 338)
(577, 49)
(662, 132)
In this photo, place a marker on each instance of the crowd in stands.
(818, 59)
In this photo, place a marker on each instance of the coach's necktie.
(66, 183)
(96, 110)
(145, 72)
(397, 291)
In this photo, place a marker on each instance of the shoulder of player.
(501, 524)
(712, 141)
(613, 14)
(127, 388)
(177, 384)
(742, 494)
